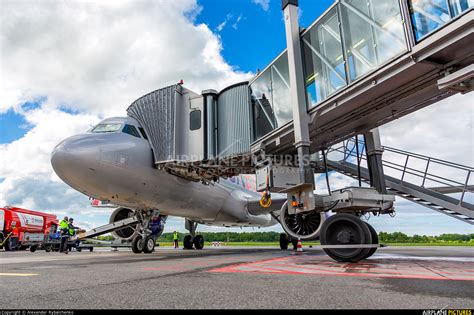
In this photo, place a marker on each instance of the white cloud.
(221, 26)
(235, 26)
(444, 130)
(265, 4)
(99, 57)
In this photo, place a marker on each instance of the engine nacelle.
(305, 225)
(127, 233)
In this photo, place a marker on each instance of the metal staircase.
(420, 179)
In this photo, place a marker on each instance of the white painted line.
(18, 274)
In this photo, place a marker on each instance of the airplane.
(113, 161)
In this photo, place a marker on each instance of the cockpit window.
(142, 131)
(131, 130)
(106, 128)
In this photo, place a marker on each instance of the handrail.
(348, 147)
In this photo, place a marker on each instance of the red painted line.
(337, 271)
(286, 265)
(165, 268)
(330, 274)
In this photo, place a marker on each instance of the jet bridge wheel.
(137, 244)
(345, 229)
(375, 239)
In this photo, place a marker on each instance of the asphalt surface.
(254, 278)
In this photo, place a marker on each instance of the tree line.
(399, 237)
(395, 237)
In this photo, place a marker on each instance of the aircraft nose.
(75, 158)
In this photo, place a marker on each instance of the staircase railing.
(424, 171)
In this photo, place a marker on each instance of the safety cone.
(299, 247)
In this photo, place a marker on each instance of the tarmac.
(236, 278)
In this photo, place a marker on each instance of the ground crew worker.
(72, 231)
(175, 239)
(64, 231)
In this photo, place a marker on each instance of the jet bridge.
(360, 65)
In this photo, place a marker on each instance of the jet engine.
(304, 225)
(127, 233)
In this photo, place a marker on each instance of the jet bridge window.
(102, 128)
(131, 130)
(195, 120)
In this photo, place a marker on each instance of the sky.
(65, 65)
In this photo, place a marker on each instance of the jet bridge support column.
(374, 160)
(298, 101)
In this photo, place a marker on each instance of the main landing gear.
(193, 240)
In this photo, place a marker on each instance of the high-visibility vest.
(175, 236)
(63, 225)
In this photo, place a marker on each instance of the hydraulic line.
(327, 173)
(358, 160)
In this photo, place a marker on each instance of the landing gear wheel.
(375, 240)
(137, 244)
(198, 242)
(48, 248)
(149, 245)
(284, 241)
(188, 242)
(33, 248)
(345, 229)
(294, 243)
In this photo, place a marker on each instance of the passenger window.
(142, 131)
(195, 120)
(131, 130)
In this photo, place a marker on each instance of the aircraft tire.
(137, 244)
(188, 242)
(149, 244)
(284, 241)
(198, 242)
(294, 243)
(345, 229)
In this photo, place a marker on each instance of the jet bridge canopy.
(186, 129)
